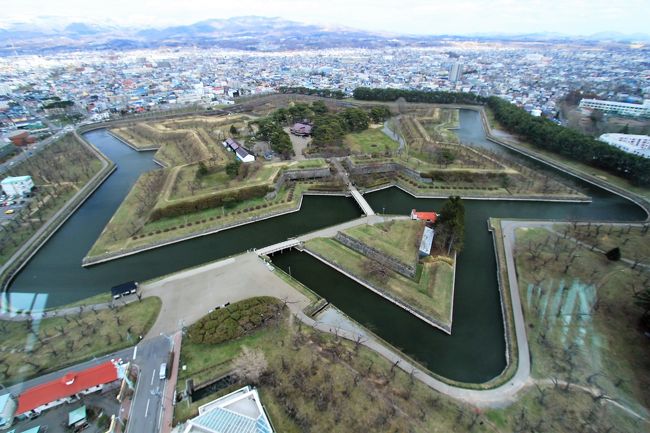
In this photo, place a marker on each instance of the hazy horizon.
(418, 17)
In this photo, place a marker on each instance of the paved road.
(146, 409)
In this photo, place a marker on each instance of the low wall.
(307, 173)
(386, 167)
(370, 252)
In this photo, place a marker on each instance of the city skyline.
(416, 17)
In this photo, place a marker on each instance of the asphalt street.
(146, 409)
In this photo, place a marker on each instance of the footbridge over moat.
(326, 232)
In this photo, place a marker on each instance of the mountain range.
(242, 33)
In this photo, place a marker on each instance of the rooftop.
(238, 412)
(68, 385)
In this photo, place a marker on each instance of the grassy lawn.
(581, 316)
(370, 141)
(59, 171)
(315, 382)
(132, 213)
(425, 296)
(32, 348)
(631, 239)
(399, 239)
(167, 228)
(439, 124)
(553, 409)
(217, 181)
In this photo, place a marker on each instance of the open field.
(632, 240)
(187, 184)
(370, 141)
(33, 347)
(58, 172)
(423, 295)
(316, 382)
(399, 239)
(582, 319)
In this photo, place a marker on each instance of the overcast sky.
(574, 17)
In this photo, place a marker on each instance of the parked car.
(9, 211)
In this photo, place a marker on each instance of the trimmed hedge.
(228, 199)
(235, 321)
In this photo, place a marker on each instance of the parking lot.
(16, 207)
(56, 419)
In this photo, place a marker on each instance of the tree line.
(325, 93)
(547, 135)
(539, 131)
(428, 96)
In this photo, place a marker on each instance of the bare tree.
(250, 365)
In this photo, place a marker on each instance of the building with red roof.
(429, 217)
(67, 388)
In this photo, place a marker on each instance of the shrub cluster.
(235, 320)
(228, 199)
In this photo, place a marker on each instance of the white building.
(636, 144)
(242, 153)
(455, 72)
(7, 409)
(17, 185)
(238, 412)
(622, 108)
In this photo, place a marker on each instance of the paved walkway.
(189, 295)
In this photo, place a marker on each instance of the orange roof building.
(50, 394)
(430, 217)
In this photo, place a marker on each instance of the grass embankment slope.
(132, 225)
(182, 141)
(370, 141)
(434, 151)
(316, 382)
(33, 347)
(430, 292)
(59, 171)
(581, 315)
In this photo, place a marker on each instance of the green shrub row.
(235, 320)
(228, 199)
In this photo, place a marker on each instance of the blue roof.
(226, 421)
